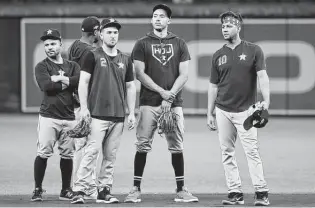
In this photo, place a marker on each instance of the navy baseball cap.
(51, 34)
(110, 22)
(258, 119)
(165, 8)
(90, 24)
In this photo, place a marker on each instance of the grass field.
(286, 146)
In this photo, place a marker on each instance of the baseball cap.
(51, 34)
(258, 119)
(165, 8)
(110, 22)
(89, 24)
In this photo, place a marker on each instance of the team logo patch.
(162, 52)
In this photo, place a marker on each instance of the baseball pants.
(50, 131)
(147, 125)
(105, 136)
(230, 125)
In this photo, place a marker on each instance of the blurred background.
(283, 28)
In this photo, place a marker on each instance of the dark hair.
(231, 14)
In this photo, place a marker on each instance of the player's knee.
(44, 155)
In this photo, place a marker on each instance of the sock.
(178, 165)
(66, 166)
(40, 165)
(139, 163)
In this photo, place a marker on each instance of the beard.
(52, 55)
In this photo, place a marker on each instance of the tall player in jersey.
(90, 31)
(232, 90)
(161, 62)
(106, 87)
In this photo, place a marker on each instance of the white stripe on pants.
(230, 125)
(105, 136)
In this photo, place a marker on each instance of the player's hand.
(131, 121)
(166, 106)
(167, 95)
(264, 105)
(55, 78)
(211, 122)
(84, 112)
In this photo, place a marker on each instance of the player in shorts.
(161, 62)
(57, 78)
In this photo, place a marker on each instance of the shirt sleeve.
(260, 63)
(138, 52)
(43, 79)
(88, 63)
(184, 53)
(214, 72)
(129, 72)
(74, 79)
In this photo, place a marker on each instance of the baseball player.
(106, 86)
(232, 90)
(161, 62)
(79, 48)
(57, 78)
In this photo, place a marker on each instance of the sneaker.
(185, 196)
(261, 199)
(37, 194)
(92, 195)
(104, 196)
(78, 198)
(234, 198)
(134, 195)
(66, 194)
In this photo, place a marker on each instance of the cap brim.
(111, 24)
(43, 38)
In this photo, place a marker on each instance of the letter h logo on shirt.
(162, 54)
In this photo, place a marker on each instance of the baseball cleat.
(133, 196)
(78, 198)
(185, 196)
(66, 194)
(261, 199)
(234, 198)
(104, 196)
(37, 195)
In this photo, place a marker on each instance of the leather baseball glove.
(82, 129)
(167, 122)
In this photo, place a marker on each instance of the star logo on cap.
(111, 20)
(121, 65)
(49, 32)
(242, 56)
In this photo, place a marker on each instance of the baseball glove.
(167, 122)
(82, 129)
(258, 117)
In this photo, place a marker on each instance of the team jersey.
(107, 87)
(161, 57)
(235, 73)
(57, 103)
(78, 50)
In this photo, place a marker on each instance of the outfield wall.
(288, 45)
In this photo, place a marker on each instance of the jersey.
(57, 103)
(107, 87)
(161, 57)
(78, 50)
(235, 73)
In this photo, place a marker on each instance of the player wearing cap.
(90, 30)
(57, 78)
(106, 86)
(232, 90)
(161, 62)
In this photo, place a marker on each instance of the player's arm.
(131, 88)
(85, 76)
(263, 79)
(212, 94)
(182, 78)
(72, 81)
(44, 81)
(144, 78)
